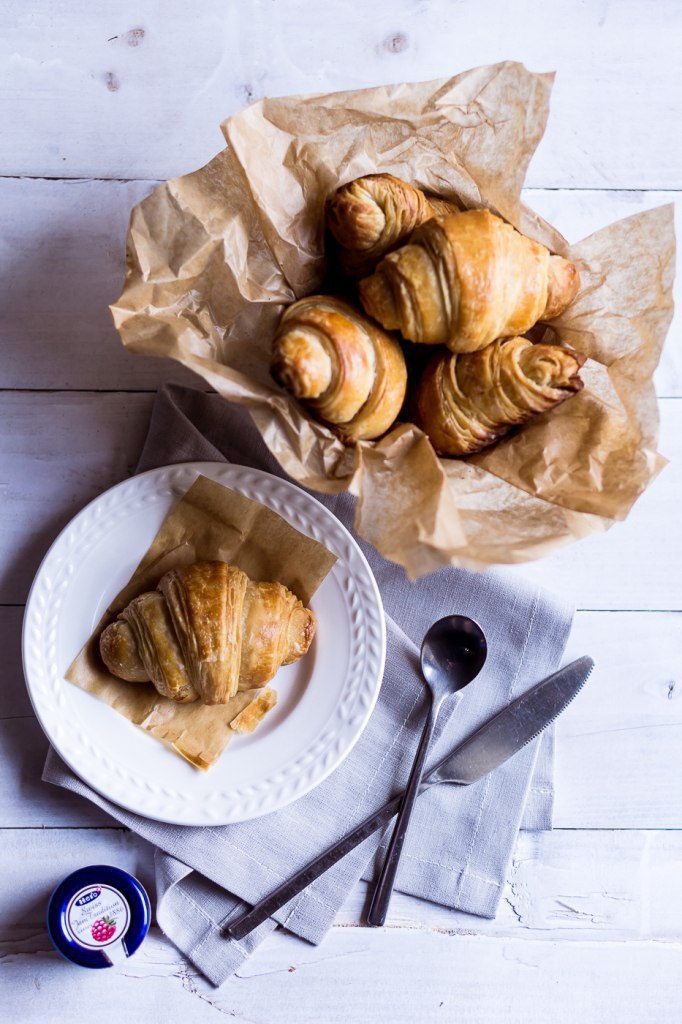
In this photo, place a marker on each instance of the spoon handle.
(382, 894)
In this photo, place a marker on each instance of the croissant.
(372, 215)
(465, 402)
(349, 372)
(206, 632)
(466, 280)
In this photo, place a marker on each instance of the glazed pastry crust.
(465, 402)
(466, 280)
(205, 602)
(348, 371)
(372, 215)
(149, 619)
(207, 632)
(278, 630)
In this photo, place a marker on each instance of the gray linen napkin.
(461, 838)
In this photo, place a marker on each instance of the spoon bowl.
(453, 653)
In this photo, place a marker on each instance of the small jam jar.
(98, 916)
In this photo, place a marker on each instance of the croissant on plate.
(466, 280)
(465, 402)
(372, 215)
(346, 369)
(207, 632)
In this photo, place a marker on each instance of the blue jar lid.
(98, 916)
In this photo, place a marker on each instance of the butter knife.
(489, 746)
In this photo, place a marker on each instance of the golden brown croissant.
(372, 215)
(349, 372)
(206, 632)
(465, 402)
(465, 281)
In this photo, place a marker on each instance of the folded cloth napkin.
(461, 838)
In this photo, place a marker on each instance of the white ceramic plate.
(325, 699)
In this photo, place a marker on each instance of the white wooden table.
(100, 101)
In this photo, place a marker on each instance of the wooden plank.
(14, 699)
(161, 79)
(156, 985)
(564, 885)
(390, 976)
(58, 451)
(63, 247)
(26, 801)
(72, 234)
(421, 977)
(616, 744)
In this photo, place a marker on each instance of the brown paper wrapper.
(210, 522)
(214, 256)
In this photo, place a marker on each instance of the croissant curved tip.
(354, 217)
(301, 633)
(555, 366)
(563, 284)
(118, 651)
(300, 364)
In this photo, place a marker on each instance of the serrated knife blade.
(513, 727)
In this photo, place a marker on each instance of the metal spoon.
(453, 653)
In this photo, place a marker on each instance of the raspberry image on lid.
(104, 929)
(98, 916)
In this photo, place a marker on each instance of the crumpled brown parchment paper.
(214, 256)
(210, 522)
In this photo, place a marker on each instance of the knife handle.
(250, 919)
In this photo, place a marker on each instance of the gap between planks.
(79, 179)
(567, 829)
